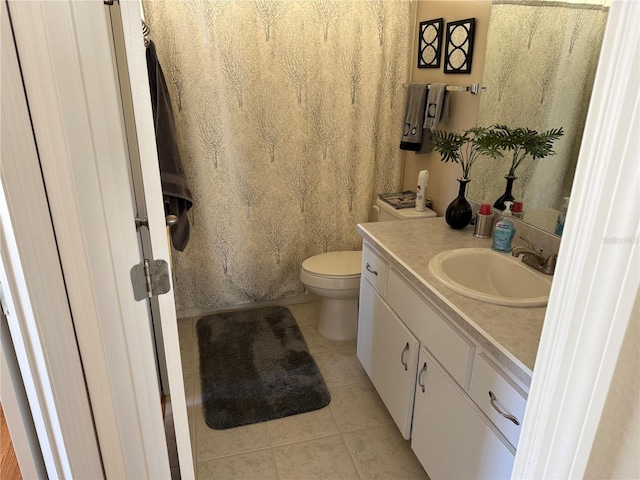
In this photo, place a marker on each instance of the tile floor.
(354, 437)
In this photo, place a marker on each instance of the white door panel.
(71, 83)
(135, 75)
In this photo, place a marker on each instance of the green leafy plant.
(466, 147)
(526, 142)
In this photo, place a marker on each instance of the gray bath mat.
(255, 366)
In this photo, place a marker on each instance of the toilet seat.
(332, 270)
(334, 264)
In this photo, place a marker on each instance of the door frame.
(597, 277)
(47, 404)
(606, 164)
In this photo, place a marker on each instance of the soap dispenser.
(504, 230)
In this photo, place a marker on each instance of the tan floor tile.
(186, 332)
(305, 313)
(341, 367)
(321, 459)
(381, 453)
(189, 387)
(191, 416)
(190, 357)
(358, 406)
(249, 466)
(317, 343)
(299, 428)
(304, 446)
(212, 443)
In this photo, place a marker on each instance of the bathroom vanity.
(453, 372)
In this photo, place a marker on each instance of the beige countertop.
(510, 334)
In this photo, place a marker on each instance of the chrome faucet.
(534, 258)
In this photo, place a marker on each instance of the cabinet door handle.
(505, 415)
(368, 267)
(404, 350)
(420, 374)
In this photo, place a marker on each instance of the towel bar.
(474, 88)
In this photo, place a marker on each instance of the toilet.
(335, 278)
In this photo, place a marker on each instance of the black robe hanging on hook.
(175, 191)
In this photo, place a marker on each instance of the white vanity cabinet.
(450, 437)
(434, 379)
(388, 352)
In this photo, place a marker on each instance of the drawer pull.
(422, 370)
(505, 415)
(405, 349)
(368, 267)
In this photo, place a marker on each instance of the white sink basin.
(491, 277)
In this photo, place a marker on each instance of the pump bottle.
(504, 230)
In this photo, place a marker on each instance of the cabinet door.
(389, 354)
(450, 437)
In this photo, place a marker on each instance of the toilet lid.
(334, 264)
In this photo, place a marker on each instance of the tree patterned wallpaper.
(289, 116)
(539, 71)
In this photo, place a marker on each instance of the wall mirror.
(539, 71)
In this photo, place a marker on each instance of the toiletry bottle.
(484, 222)
(561, 217)
(421, 190)
(503, 231)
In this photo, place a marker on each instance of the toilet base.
(338, 318)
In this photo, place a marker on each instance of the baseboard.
(282, 302)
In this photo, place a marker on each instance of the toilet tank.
(386, 212)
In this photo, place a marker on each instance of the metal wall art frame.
(430, 43)
(459, 46)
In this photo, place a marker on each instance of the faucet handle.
(549, 266)
(528, 242)
(551, 261)
(531, 245)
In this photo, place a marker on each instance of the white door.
(69, 68)
(130, 60)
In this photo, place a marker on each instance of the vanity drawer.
(451, 348)
(509, 397)
(374, 269)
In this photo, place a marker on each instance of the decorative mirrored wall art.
(430, 43)
(459, 46)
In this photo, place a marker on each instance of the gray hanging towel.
(176, 194)
(412, 133)
(437, 111)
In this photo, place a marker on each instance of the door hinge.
(150, 278)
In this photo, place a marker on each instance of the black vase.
(506, 196)
(459, 213)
